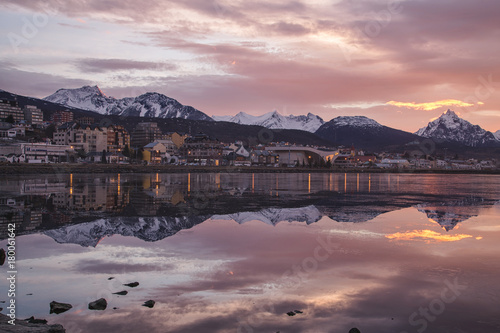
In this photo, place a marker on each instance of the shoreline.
(30, 169)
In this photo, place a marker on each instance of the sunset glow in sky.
(401, 63)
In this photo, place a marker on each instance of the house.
(202, 149)
(264, 157)
(6, 130)
(154, 152)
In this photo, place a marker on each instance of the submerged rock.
(25, 326)
(132, 284)
(354, 330)
(57, 308)
(100, 304)
(149, 303)
(121, 293)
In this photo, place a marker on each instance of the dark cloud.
(93, 65)
(92, 266)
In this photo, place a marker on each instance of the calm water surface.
(236, 252)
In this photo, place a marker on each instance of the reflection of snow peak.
(150, 229)
(449, 214)
(273, 216)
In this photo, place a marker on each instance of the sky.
(402, 63)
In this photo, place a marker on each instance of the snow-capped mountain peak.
(150, 104)
(497, 135)
(450, 127)
(356, 121)
(275, 120)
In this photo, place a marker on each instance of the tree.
(103, 158)
(10, 119)
(81, 153)
(49, 131)
(126, 151)
(140, 154)
(329, 163)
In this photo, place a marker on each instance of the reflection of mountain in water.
(150, 229)
(84, 208)
(273, 216)
(449, 214)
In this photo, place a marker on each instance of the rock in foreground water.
(149, 303)
(24, 326)
(100, 304)
(57, 308)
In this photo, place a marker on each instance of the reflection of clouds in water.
(426, 235)
(217, 275)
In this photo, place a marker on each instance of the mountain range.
(150, 105)
(274, 120)
(449, 130)
(155, 228)
(363, 132)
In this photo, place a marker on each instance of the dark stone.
(110, 278)
(354, 330)
(25, 326)
(122, 293)
(291, 313)
(57, 308)
(100, 304)
(298, 311)
(132, 284)
(2, 256)
(149, 303)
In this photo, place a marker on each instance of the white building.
(45, 153)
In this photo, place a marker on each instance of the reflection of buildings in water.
(41, 187)
(12, 203)
(154, 193)
(85, 197)
(25, 221)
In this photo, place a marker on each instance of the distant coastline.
(30, 169)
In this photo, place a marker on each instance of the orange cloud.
(431, 105)
(426, 235)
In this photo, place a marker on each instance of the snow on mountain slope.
(146, 105)
(450, 127)
(497, 135)
(355, 121)
(273, 216)
(149, 229)
(274, 120)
